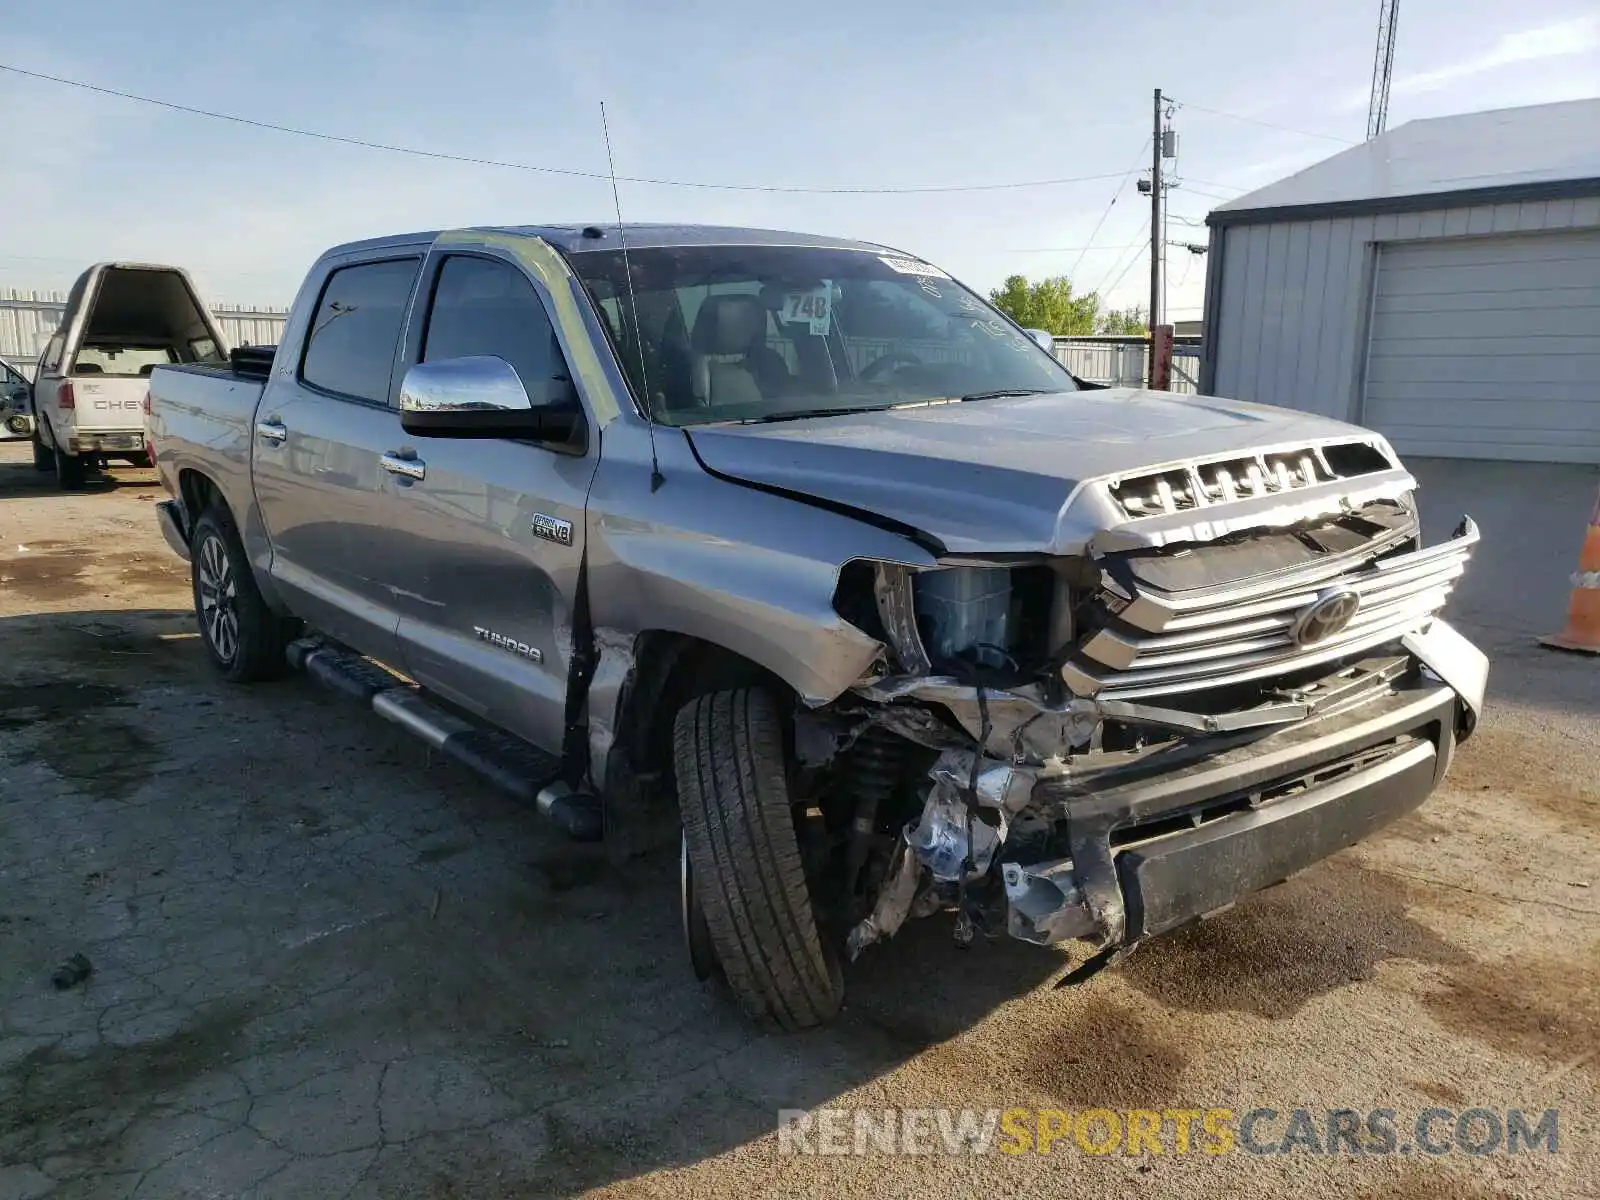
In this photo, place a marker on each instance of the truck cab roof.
(605, 235)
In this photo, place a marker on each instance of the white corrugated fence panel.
(28, 318)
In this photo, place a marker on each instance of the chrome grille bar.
(1163, 643)
(1224, 480)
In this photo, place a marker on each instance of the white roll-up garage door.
(1488, 347)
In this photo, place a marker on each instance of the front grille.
(1222, 481)
(1156, 642)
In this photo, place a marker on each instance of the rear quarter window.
(51, 358)
(351, 343)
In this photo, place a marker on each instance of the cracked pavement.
(326, 964)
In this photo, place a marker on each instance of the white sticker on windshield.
(911, 266)
(814, 307)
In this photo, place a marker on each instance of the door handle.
(399, 464)
(272, 430)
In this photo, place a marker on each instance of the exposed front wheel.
(746, 900)
(245, 638)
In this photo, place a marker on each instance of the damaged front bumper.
(1146, 840)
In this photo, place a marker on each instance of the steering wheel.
(895, 358)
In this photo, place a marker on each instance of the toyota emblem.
(1325, 616)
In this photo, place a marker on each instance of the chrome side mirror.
(1043, 338)
(463, 385)
(482, 396)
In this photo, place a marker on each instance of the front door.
(495, 528)
(320, 439)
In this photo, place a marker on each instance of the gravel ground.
(324, 965)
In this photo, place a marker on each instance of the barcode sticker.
(911, 266)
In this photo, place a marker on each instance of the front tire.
(243, 637)
(743, 858)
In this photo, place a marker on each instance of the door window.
(350, 347)
(482, 306)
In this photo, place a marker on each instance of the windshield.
(729, 333)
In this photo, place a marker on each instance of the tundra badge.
(552, 529)
(532, 653)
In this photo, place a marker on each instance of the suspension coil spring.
(872, 769)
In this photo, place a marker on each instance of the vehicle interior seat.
(730, 361)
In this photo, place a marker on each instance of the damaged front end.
(1103, 746)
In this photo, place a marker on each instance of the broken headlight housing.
(1005, 617)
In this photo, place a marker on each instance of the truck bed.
(201, 417)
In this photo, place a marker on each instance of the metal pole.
(1155, 233)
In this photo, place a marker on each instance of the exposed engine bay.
(1034, 719)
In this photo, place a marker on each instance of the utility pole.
(1156, 234)
(1160, 359)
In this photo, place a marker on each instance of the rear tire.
(71, 470)
(44, 458)
(244, 638)
(749, 882)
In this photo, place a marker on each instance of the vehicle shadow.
(354, 899)
(19, 478)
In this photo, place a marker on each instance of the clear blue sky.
(883, 94)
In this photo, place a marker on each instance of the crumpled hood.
(995, 476)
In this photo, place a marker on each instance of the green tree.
(1047, 304)
(1126, 321)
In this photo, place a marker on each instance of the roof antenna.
(656, 478)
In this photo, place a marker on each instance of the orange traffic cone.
(1583, 618)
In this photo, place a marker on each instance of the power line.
(566, 171)
(1188, 179)
(1217, 112)
(1064, 249)
(1137, 246)
(1119, 278)
(1116, 194)
(1203, 192)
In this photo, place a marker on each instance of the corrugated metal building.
(1440, 283)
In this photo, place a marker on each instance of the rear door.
(322, 428)
(495, 528)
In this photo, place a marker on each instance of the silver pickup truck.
(794, 550)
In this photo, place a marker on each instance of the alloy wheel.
(219, 614)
